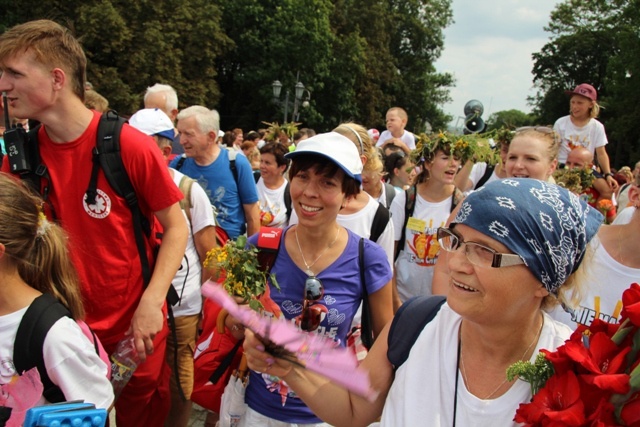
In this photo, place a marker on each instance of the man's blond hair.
(52, 45)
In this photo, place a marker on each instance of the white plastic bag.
(232, 406)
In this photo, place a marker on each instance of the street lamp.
(299, 93)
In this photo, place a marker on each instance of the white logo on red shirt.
(101, 208)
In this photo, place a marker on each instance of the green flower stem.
(622, 332)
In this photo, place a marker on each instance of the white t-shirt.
(188, 278)
(422, 393)
(273, 212)
(623, 197)
(606, 280)
(477, 172)
(420, 250)
(624, 216)
(590, 136)
(407, 137)
(71, 360)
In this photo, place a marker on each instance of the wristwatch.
(608, 174)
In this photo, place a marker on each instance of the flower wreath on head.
(576, 180)
(476, 147)
(275, 129)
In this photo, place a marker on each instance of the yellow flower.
(238, 264)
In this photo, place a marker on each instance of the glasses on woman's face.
(313, 291)
(477, 254)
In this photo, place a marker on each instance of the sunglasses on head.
(313, 291)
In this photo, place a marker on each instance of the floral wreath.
(576, 180)
(476, 147)
(275, 129)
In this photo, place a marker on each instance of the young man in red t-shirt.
(43, 73)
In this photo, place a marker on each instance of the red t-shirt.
(101, 239)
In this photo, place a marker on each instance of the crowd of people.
(370, 220)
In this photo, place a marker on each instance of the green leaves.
(357, 58)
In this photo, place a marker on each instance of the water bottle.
(124, 362)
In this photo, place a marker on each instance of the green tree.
(275, 40)
(510, 119)
(356, 58)
(132, 45)
(416, 43)
(593, 42)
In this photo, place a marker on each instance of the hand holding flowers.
(242, 275)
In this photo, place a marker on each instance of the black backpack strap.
(407, 325)
(287, 200)
(108, 157)
(226, 362)
(379, 223)
(409, 206)
(487, 174)
(181, 160)
(41, 315)
(234, 169)
(390, 193)
(366, 332)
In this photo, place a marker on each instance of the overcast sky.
(488, 50)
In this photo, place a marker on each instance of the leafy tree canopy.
(356, 58)
(594, 42)
(510, 119)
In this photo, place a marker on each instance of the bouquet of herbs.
(591, 380)
(241, 273)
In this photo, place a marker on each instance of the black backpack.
(106, 156)
(407, 325)
(40, 316)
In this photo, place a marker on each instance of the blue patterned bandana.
(548, 226)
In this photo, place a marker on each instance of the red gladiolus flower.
(631, 304)
(604, 363)
(602, 416)
(558, 403)
(630, 414)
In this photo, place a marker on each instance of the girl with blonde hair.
(34, 261)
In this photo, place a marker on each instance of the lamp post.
(299, 93)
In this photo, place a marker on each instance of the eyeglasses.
(477, 254)
(311, 317)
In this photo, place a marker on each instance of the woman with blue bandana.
(513, 249)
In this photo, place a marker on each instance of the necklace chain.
(308, 266)
(464, 371)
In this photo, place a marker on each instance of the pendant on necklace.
(309, 272)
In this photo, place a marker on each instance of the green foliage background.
(596, 42)
(357, 58)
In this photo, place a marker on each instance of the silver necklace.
(464, 371)
(308, 266)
